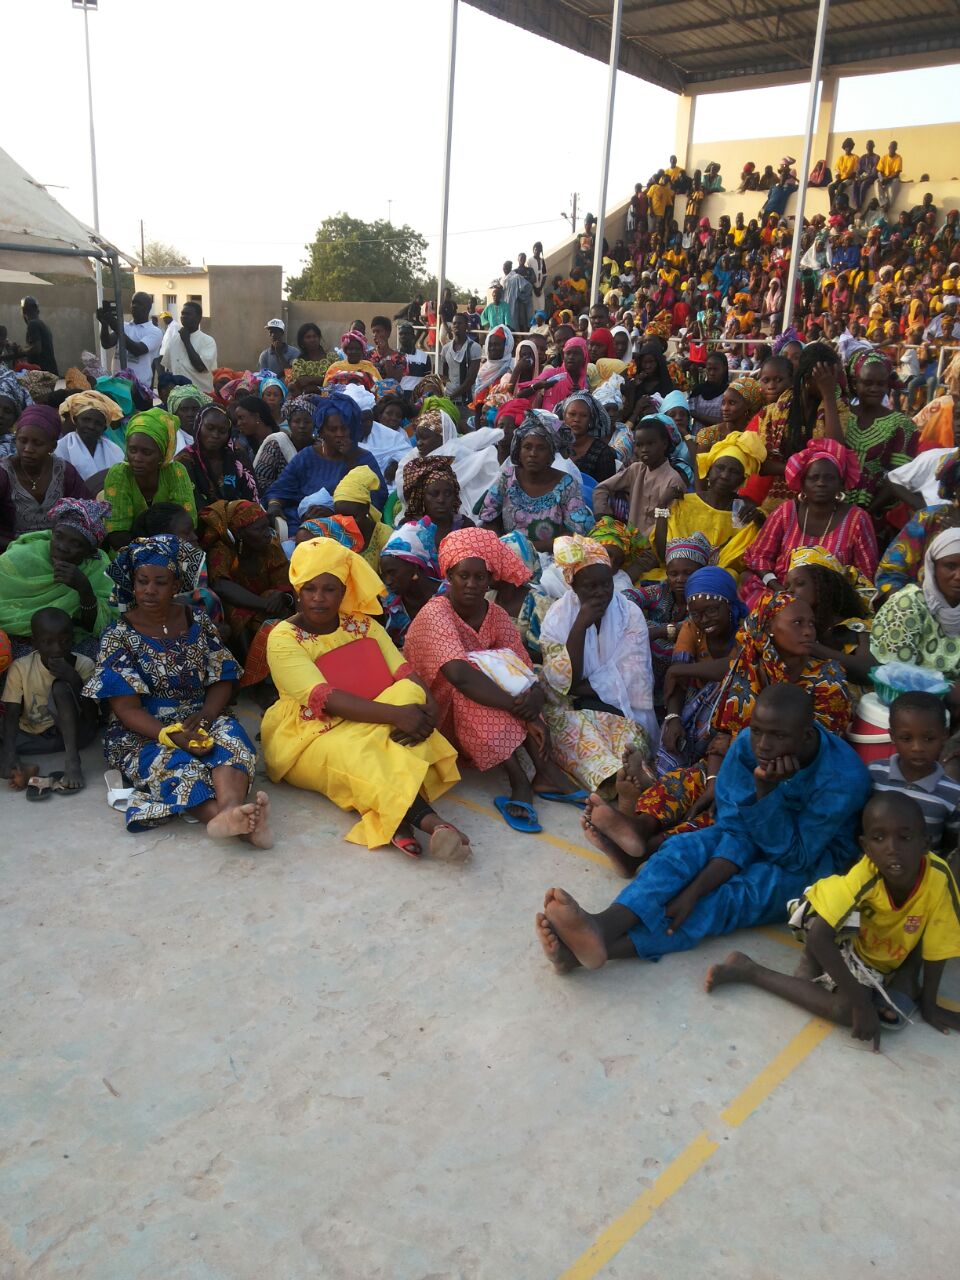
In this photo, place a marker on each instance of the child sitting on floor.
(44, 707)
(902, 901)
(918, 729)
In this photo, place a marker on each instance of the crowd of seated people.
(655, 600)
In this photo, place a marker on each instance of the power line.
(430, 235)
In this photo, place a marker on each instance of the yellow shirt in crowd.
(890, 166)
(846, 166)
(930, 917)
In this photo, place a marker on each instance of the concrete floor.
(323, 1062)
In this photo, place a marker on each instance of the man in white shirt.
(191, 353)
(142, 336)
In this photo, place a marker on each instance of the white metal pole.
(447, 150)
(93, 157)
(607, 138)
(805, 161)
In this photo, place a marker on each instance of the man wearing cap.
(142, 336)
(278, 356)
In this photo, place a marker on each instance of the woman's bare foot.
(615, 835)
(628, 793)
(447, 844)
(737, 967)
(576, 928)
(261, 837)
(636, 768)
(73, 779)
(557, 952)
(238, 821)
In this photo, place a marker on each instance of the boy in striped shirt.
(918, 729)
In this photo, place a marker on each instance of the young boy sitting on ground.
(918, 728)
(902, 902)
(43, 703)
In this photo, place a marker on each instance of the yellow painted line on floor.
(677, 1173)
(697, 1152)
(775, 1072)
(589, 855)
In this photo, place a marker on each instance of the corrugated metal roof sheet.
(689, 44)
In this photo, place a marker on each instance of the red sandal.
(407, 845)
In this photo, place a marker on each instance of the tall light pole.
(86, 5)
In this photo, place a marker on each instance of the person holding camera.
(142, 336)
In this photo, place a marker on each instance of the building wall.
(334, 318)
(67, 305)
(165, 287)
(242, 300)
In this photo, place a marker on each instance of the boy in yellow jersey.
(903, 903)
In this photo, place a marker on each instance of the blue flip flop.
(578, 798)
(529, 825)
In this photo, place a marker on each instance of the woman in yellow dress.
(357, 727)
(715, 510)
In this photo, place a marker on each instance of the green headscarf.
(26, 585)
(179, 394)
(441, 402)
(160, 426)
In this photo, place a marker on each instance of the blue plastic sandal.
(579, 798)
(528, 825)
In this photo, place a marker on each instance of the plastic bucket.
(870, 731)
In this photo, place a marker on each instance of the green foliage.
(158, 254)
(355, 261)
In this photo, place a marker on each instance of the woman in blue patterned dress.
(532, 495)
(169, 680)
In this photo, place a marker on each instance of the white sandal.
(118, 796)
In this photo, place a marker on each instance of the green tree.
(355, 261)
(158, 254)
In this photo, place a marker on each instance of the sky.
(233, 127)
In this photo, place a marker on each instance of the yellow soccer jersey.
(888, 933)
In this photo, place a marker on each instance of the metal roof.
(696, 46)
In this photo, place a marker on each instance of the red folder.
(358, 668)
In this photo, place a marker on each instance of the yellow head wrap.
(746, 446)
(802, 556)
(81, 401)
(357, 486)
(323, 555)
(575, 553)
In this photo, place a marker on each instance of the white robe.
(72, 449)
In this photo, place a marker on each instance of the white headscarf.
(616, 657)
(947, 616)
(492, 371)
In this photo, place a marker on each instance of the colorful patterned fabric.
(182, 558)
(170, 677)
(758, 664)
(889, 441)
(902, 562)
(853, 542)
(85, 517)
(81, 401)
(905, 630)
(614, 533)
(575, 553)
(417, 474)
(845, 460)
(544, 517)
(482, 544)
(485, 736)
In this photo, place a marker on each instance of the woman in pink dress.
(817, 516)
